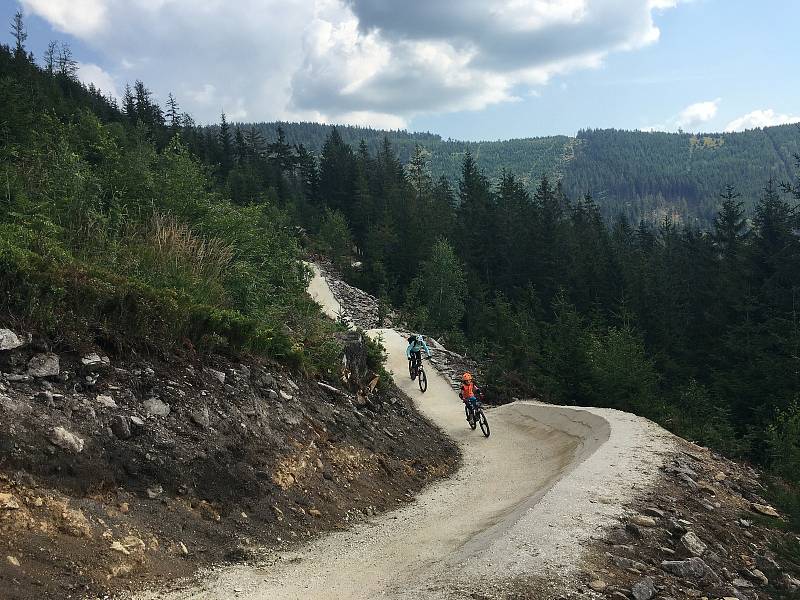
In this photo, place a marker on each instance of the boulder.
(693, 544)
(643, 521)
(218, 375)
(9, 340)
(121, 427)
(691, 568)
(200, 417)
(156, 407)
(94, 362)
(765, 509)
(106, 401)
(598, 585)
(285, 395)
(44, 365)
(66, 440)
(644, 589)
(8, 502)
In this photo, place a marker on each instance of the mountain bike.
(476, 416)
(417, 371)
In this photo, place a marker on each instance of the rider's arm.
(408, 351)
(428, 350)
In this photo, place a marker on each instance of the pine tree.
(19, 33)
(67, 66)
(729, 224)
(129, 104)
(173, 114)
(50, 56)
(240, 147)
(225, 147)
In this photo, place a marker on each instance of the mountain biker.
(416, 344)
(469, 391)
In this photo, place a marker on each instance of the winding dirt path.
(517, 513)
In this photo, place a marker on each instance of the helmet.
(466, 376)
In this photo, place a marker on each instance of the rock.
(66, 440)
(767, 563)
(157, 408)
(643, 521)
(106, 401)
(272, 395)
(741, 583)
(675, 527)
(790, 583)
(121, 427)
(200, 417)
(644, 589)
(627, 563)
(154, 492)
(765, 509)
(285, 396)
(314, 513)
(693, 544)
(756, 575)
(12, 560)
(183, 549)
(8, 502)
(598, 585)
(218, 375)
(45, 397)
(44, 365)
(137, 423)
(653, 512)
(94, 362)
(9, 340)
(634, 530)
(118, 547)
(124, 508)
(693, 567)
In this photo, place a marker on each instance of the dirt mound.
(118, 472)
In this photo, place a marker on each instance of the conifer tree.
(19, 33)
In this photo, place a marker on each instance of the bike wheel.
(484, 423)
(471, 418)
(422, 380)
(411, 370)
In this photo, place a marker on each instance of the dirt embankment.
(115, 474)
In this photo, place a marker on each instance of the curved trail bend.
(522, 505)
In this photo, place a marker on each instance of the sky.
(471, 69)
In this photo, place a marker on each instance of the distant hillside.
(641, 174)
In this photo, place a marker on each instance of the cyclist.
(469, 391)
(416, 344)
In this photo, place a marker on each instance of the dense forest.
(643, 175)
(130, 225)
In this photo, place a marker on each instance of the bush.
(783, 441)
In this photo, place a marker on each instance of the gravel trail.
(521, 507)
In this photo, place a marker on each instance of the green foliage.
(783, 441)
(113, 232)
(435, 298)
(334, 238)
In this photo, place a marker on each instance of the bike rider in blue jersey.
(416, 344)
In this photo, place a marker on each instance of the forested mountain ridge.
(640, 174)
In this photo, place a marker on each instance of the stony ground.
(115, 473)
(704, 531)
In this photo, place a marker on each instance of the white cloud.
(761, 118)
(89, 73)
(689, 118)
(378, 61)
(78, 17)
(698, 113)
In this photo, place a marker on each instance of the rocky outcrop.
(689, 538)
(183, 453)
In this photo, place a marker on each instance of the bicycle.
(476, 416)
(417, 371)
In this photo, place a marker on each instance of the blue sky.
(476, 69)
